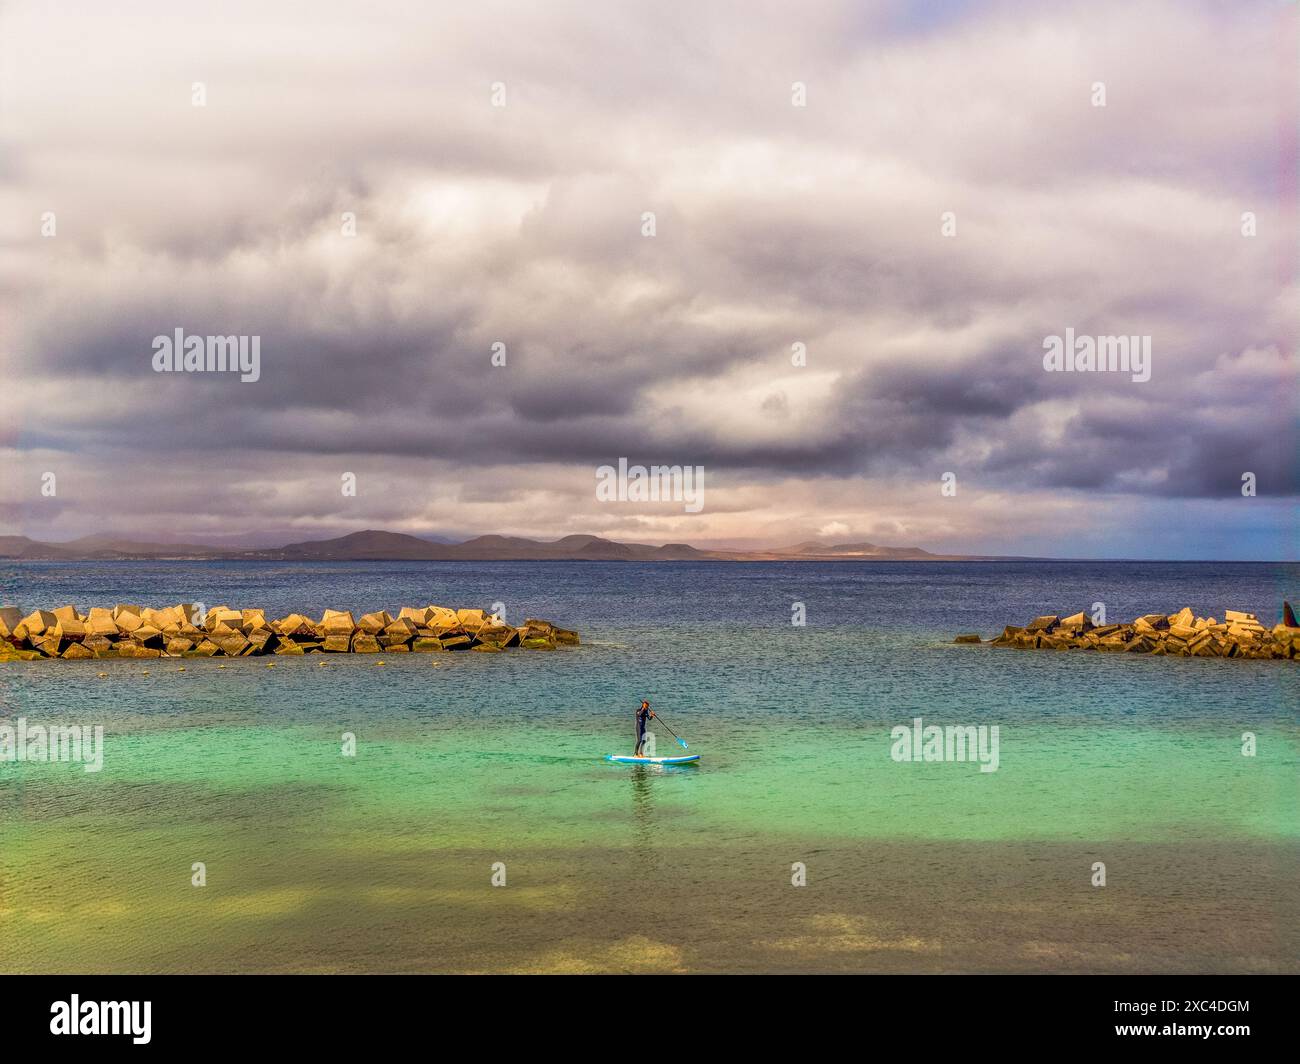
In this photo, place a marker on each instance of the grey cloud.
(775, 224)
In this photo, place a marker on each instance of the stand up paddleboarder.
(643, 714)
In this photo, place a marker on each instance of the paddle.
(681, 742)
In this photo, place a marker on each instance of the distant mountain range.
(396, 546)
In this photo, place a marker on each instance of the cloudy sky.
(774, 225)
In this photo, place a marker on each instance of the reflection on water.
(643, 807)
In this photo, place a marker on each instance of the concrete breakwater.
(1238, 635)
(181, 631)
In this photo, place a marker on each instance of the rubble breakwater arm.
(1183, 634)
(183, 632)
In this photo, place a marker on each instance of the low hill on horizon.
(379, 545)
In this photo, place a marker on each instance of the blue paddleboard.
(629, 759)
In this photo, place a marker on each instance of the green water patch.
(496, 783)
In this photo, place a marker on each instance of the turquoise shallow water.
(383, 861)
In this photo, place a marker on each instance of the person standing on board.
(643, 714)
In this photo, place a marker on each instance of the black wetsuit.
(642, 715)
